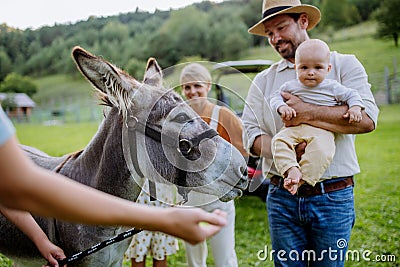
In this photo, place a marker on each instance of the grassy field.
(57, 140)
(377, 196)
(377, 186)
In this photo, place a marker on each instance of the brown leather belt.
(320, 188)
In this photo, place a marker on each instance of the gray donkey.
(148, 132)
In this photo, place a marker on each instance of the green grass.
(364, 29)
(377, 186)
(56, 89)
(57, 140)
(377, 193)
(383, 50)
(377, 190)
(377, 196)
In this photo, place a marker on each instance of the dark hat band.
(274, 10)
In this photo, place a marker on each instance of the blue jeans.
(310, 231)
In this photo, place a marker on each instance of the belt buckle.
(281, 182)
(304, 190)
(307, 190)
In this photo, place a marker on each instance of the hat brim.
(313, 14)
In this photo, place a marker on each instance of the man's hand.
(300, 149)
(326, 117)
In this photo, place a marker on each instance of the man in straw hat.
(313, 226)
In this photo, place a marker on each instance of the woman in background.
(195, 81)
(158, 245)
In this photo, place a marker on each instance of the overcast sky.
(24, 14)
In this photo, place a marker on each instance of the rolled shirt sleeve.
(351, 73)
(257, 113)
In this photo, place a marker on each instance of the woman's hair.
(195, 72)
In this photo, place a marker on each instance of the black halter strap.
(97, 247)
(184, 146)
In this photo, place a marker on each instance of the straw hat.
(276, 7)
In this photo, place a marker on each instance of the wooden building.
(17, 105)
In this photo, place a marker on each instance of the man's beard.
(290, 51)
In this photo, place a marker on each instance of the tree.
(366, 7)
(5, 64)
(8, 103)
(227, 36)
(316, 3)
(251, 14)
(339, 14)
(183, 34)
(162, 46)
(15, 83)
(114, 31)
(136, 68)
(387, 16)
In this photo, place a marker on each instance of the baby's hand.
(286, 112)
(353, 114)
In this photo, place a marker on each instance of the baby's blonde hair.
(195, 72)
(313, 46)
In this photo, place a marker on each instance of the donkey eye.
(181, 118)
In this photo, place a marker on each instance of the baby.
(312, 63)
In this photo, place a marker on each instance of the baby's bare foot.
(292, 180)
(294, 175)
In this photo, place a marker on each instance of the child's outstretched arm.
(26, 186)
(25, 222)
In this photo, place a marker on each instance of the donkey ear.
(104, 76)
(153, 75)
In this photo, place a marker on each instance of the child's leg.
(318, 154)
(283, 150)
(138, 264)
(160, 263)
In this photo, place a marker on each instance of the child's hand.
(193, 225)
(286, 112)
(353, 114)
(51, 253)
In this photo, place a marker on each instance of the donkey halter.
(184, 146)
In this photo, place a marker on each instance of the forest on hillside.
(203, 30)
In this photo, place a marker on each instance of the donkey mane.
(119, 95)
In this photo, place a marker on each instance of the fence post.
(395, 82)
(387, 83)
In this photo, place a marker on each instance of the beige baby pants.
(318, 154)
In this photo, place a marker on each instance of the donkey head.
(164, 140)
